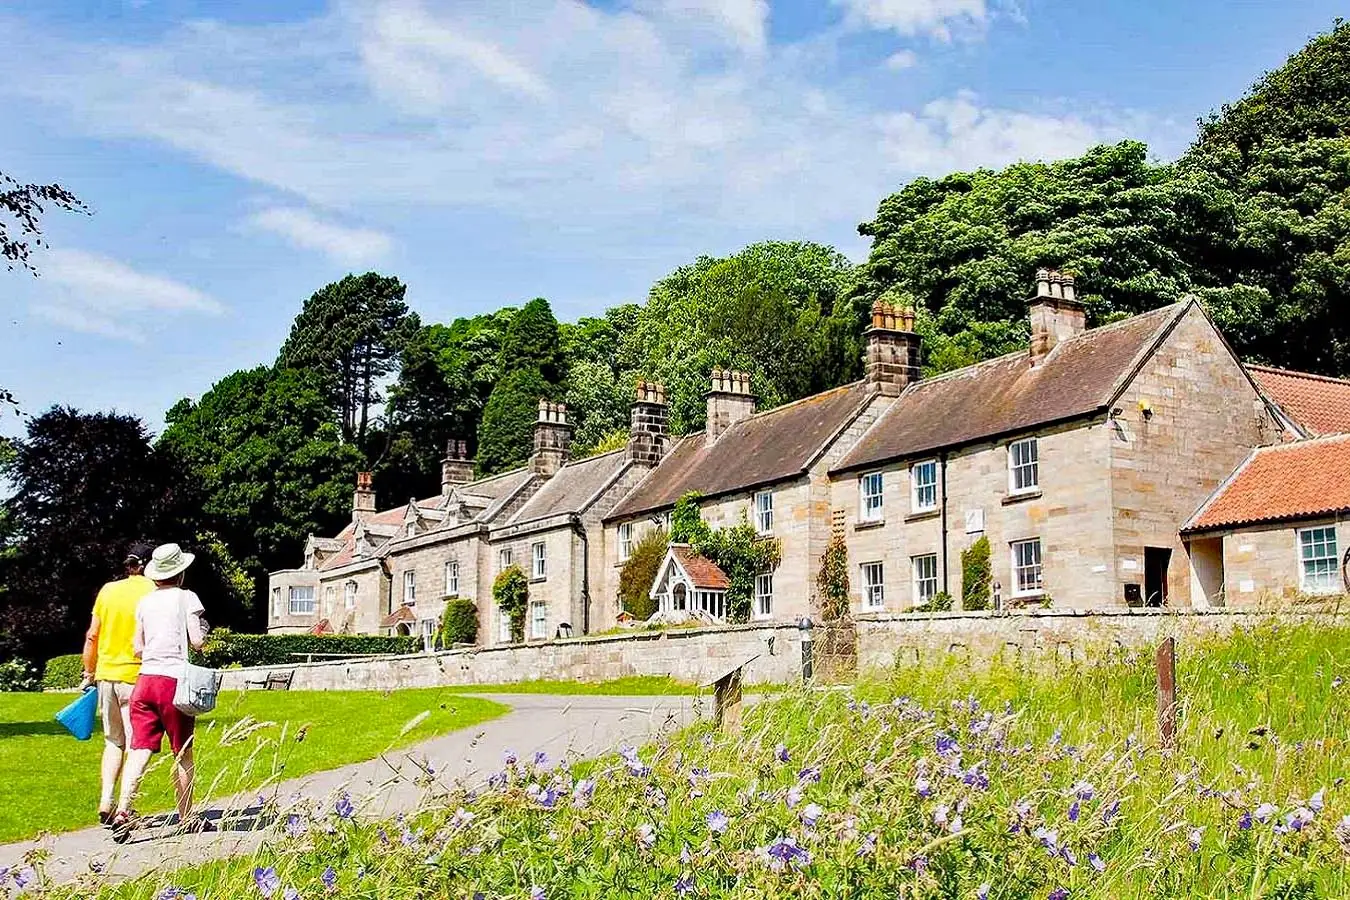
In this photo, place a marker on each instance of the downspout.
(585, 573)
(943, 463)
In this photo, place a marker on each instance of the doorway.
(1156, 560)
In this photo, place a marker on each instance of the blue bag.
(78, 717)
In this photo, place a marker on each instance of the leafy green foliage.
(531, 341)
(739, 551)
(226, 648)
(21, 209)
(939, 602)
(977, 575)
(63, 672)
(511, 595)
(459, 622)
(639, 572)
(832, 580)
(506, 434)
(686, 521)
(350, 333)
(18, 675)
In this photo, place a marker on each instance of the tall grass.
(935, 781)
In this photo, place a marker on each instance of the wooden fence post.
(1167, 694)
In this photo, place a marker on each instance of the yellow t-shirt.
(116, 612)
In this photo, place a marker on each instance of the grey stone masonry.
(729, 401)
(1055, 313)
(649, 432)
(552, 439)
(456, 467)
(363, 499)
(891, 360)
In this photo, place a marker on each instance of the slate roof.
(769, 446)
(703, 572)
(999, 396)
(572, 487)
(1316, 403)
(1298, 480)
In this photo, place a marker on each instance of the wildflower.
(956, 826)
(869, 844)
(785, 853)
(781, 753)
(1245, 821)
(646, 834)
(718, 821)
(497, 781)
(176, 893)
(461, 818)
(1096, 862)
(547, 797)
(982, 892)
(1317, 801)
(811, 815)
(919, 864)
(583, 791)
(1049, 840)
(290, 894)
(1194, 837)
(1073, 811)
(923, 788)
(1111, 811)
(940, 814)
(537, 893)
(685, 856)
(294, 826)
(947, 746)
(540, 757)
(344, 807)
(811, 773)
(1264, 812)
(1069, 856)
(408, 838)
(1337, 682)
(1297, 819)
(329, 879)
(509, 758)
(1343, 832)
(267, 880)
(1084, 790)
(1058, 893)
(1056, 737)
(976, 778)
(684, 885)
(794, 796)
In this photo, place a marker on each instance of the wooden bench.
(727, 695)
(275, 681)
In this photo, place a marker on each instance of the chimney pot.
(647, 429)
(363, 499)
(1055, 312)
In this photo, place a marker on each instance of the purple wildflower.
(329, 879)
(290, 894)
(540, 757)
(646, 834)
(1073, 811)
(509, 758)
(785, 853)
(583, 791)
(1110, 812)
(267, 880)
(869, 844)
(1343, 832)
(685, 856)
(982, 892)
(1058, 893)
(176, 893)
(919, 864)
(344, 807)
(1264, 812)
(294, 826)
(947, 746)
(810, 773)
(684, 885)
(1299, 818)
(547, 797)
(794, 796)
(537, 893)
(811, 815)
(1096, 862)
(923, 788)
(497, 781)
(1193, 837)
(408, 838)
(781, 753)
(1245, 821)
(976, 778)
(1084, 790)
(1069, 856)
(718, 821)
(1317, 801)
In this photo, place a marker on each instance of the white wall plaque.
(1130, 565)
(974, 521)
(1247, 586)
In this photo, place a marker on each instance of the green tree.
(506, 434)
(511, 595)
(351, 333)
(459, 622)
(639, 572)
(977, 575)
(532, 340)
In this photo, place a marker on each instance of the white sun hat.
(167, 561)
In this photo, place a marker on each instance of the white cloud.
(902, 59)
(352, 246)
(743, 22)
(934, 18)
(96, 294)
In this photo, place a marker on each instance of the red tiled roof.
(702, 571)
(766, 447)
(1320, 405)
(1080, 376)
(1298, 480)
(398, 617)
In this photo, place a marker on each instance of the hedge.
(225, 648)
(63, 672)
(459, 622)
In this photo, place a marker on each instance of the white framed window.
(503, 626)
(411, 529)
(329, 597)
(923, 486)
(538, 560)
(503, 559)
(409, 588)
(1318, 560)
(349, 595)
(925, 577)
(764, 512)
(301, 601)
(625, 541)
(538, 619)
(1026, 566)
(869, 499)
(874, 586)
(276, 603)
(764, 595)
(428, 634)
(452, 578)
(1024, 466)
(711, 602)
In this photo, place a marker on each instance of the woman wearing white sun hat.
(168, 620)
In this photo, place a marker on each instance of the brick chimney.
(1055, 312)
(363, 500)
(456, 467)
(891, 359)
(648, 433)
(552, 439)
(729, 401)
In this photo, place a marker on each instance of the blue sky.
(239, 155)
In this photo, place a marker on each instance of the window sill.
(1019, 496)
(1034, 597)
(538, 580)
(921, 515)
(864, 524)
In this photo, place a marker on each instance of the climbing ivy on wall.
(832, 580)
(511, 593)
(739, 551)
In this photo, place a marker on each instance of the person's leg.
(147, 733)
(132, 773)
(115, 735)
(179, 727)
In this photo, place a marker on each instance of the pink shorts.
(153, 715)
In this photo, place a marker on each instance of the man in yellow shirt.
(110, 660)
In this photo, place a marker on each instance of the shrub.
(17, 675)
(976, 575)
(832, 580)
(63, 672)
(224, 648)
(459, 622)
(940, 602)
(511, 593)
(638, 573)
(686, 521)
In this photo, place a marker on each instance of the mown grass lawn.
(51, 780)
(932, 781)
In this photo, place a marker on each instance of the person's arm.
(90, 654)
(196, 622)
(138, 637)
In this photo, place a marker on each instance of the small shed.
(688, 584)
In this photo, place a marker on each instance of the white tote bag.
(197, 686)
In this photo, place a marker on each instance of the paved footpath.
(557, 725)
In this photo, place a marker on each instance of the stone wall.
(700, 654)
